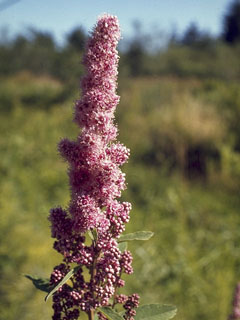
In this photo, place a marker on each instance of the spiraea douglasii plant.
(90, 275)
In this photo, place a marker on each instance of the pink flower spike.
(96, 182)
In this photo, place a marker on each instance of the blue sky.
(61, 16)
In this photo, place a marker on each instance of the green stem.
(115, 293)
(93, 272)
(65, 309)
(91, 314)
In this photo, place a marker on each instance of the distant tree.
(76, 39)
(173, 38)
(231, 23)
(42, 39)
(20, 42)
(136, 51)
(134, 57)
(40, 54)
(193, 36)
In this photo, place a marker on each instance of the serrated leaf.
(64, 280)
(139, 235)
(40, 283)
(110, 313)
(155, 312)
(122, 246)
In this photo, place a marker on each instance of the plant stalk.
(91, 314)
(93, 273)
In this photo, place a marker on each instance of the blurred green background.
(179, 114)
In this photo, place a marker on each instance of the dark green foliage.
(195, 53)
(38, 53)
(193, 37)
(135, 58)
(231, 32)
(39, 283)
(76, 39)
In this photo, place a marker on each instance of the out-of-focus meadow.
(179, 113)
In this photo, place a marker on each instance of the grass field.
(183, 182)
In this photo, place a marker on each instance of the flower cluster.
(96, 182)
(236, 304)
(129, 304)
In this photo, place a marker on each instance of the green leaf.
(110, 313)
(90, 235)
(122, 246)
(64, 280)
(40, 283)
(155, 312)
(139, 235)
(93, 234)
